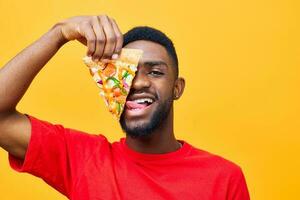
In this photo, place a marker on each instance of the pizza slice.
(115, 78)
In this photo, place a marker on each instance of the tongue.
(134, 105)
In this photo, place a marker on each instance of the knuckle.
(119, 37)
(84, 23)
(103, 16)
(91, 41)
(100, 41)
(110, 39)
(95, 19)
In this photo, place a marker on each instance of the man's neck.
(162, 140)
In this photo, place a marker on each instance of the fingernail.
(115, 56)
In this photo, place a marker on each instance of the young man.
(150, 163)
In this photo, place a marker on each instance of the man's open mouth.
(138, 103)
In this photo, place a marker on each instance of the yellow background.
(241, 64)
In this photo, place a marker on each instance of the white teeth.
(143, 100)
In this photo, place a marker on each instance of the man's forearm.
(18, 73)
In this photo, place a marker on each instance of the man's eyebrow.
(154, 63)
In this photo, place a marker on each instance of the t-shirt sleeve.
(237, 186)
(57, 154)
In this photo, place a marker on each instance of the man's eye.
(156, 73)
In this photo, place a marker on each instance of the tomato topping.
(109, 70)
(117, 92)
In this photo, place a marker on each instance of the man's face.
(151, 96)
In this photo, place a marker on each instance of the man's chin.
(147, 124)
(137, 127)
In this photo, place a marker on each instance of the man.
(150, 163)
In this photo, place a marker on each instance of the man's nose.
(140, 81)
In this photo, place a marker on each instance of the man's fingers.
(110, 37)
(119, 36)
(100, 38)
(101, 34)
(88, 33)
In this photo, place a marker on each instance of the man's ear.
(178, 88)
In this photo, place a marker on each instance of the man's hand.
(100, 33)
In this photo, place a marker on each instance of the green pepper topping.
(116, 81)
(118, 107)
(125, 75)
(123, 91)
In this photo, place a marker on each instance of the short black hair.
(153, 35)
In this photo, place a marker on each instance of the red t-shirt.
(87, 167)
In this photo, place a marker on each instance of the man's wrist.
(57, 35)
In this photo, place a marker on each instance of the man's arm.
(103, 39)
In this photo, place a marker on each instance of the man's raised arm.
(100, 34)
